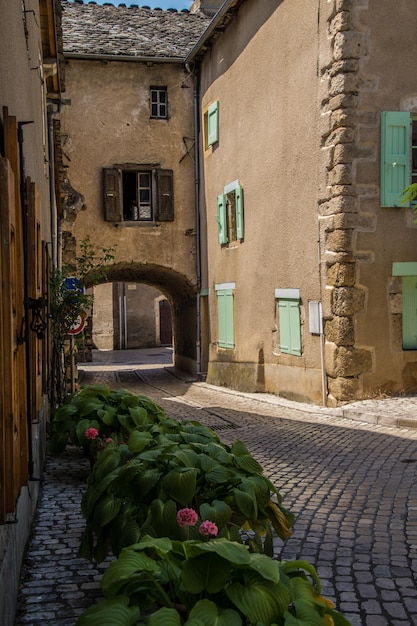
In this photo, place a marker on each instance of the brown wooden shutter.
(165, 195)
(112, 195)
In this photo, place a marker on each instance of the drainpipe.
(52, 199)
(197, 212)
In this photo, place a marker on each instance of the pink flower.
(108, 440)
(187, 517)
(208, 529)
(91, 433)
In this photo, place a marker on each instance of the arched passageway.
(168, 286)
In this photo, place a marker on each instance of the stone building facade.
(307, 298)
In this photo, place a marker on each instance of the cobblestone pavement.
(351, 485)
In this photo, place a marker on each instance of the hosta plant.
(138, 488)
(213, 582)
(112, 413)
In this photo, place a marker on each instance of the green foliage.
(213, 583)
(409, 194)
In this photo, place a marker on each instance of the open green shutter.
(395, 156)
(409, 305)
(221, 220)
(213, 123)
(239, 213)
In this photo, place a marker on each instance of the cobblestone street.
(350, 484)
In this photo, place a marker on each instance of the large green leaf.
(94, 390)
(90, 405)
(64, 412)
(218, 512)
(181, 484)
(246, 503)
(139, 415)
(106, 510)
(139, 440)
(107, 415)
(165, 617)
(307, 614)
(231, 551)
(119, 572)
(219, 475)
(114, 612)
(244, 459)
(258, 599)
(163, 517)
(209, 614)
(80, 429)
(264, 565)
(207, 572)
(292, 567)
(146, 480)
(107, 461)
(207, 463)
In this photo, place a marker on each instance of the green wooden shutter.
(395, 156)
(239, 213)
(112, 195)
(221, 220)
(225, 318)
(409, 303)
(165, 195)
(213, 123)
(289, 327)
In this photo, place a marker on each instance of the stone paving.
(351, 485)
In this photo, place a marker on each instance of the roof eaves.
(217, 25)
(122, 57)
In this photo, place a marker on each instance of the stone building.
(308, 130)
(128, 145)
(302, 279)
(31, 83)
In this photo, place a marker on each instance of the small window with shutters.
(289, 320)
(230, 214)
(408, 273)
(398, 157)
(225, 315)
(211, 125)
(138, 195)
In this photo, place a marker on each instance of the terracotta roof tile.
(129, 31)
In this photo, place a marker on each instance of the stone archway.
(180, 293)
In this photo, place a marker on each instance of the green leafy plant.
(137, 488)
(209, 583)
(409, 194)
(69, 301)
(113, 413)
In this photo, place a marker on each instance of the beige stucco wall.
(263, 73)
(108, 123)
(300, 88)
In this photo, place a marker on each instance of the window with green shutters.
(213, 123)
(225, 315)
(396, 149)
(288, 313)
(408, 273)
(230, 213)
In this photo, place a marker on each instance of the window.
(159, 102)
(211, 125)
(138, 195)
(408, 272)
(230, 213)
(288, 313)
(225, 315)
(398, 155)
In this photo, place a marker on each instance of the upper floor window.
(211, 125)
(398, 155)
(230, 213)
(159, 102)
(138, 195)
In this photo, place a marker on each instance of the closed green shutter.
(289, 327)
(409, 302)
(213, 123)
(239, 212)
(225, 317)
(221, 220)
(395, 156)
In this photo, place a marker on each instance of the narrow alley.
(350, 484)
